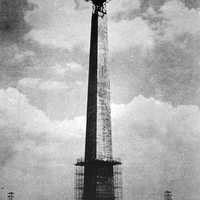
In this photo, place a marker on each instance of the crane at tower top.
(98, 2)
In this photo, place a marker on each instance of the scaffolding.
(108, 184)
(118, 182)
(79, 181)
(168, 195)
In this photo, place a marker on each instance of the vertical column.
(98, 130)
(91, 127)
(99, 182)
(104, 144)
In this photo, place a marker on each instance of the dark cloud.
(191, 3)
(169, 72)
(157, 4)
(173, 70)
(6, 153)
(14, 55)
(79, 4)
(132, 13)
(8, 140)
(12, 22)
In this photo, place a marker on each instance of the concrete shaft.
(98, 130)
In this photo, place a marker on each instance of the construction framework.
(102, 192)
(168, 195)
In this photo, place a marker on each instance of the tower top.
(98, 2)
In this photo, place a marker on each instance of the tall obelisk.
(98, 131)
(98, 181)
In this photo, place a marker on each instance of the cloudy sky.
(155, 78)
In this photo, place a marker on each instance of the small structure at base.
(104, 187)
(167, 195)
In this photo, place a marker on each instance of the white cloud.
(180, 19)
(159, 145)
(29, 119)
(75, 67)
(35, 147)
(79, 83)
(20, 56)
(29, 82)
(116, 6)
(46, 85)
(130, 33)
(53, 85)
(62, 27)
(55, 38)
(58, 70)
(67, 28)
(12, 54)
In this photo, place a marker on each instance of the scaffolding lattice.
(79, 182)
(101, 191)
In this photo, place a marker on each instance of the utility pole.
(1, 194)
(10, 195)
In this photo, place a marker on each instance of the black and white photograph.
(99, 99)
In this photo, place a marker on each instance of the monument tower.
(98, 175)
